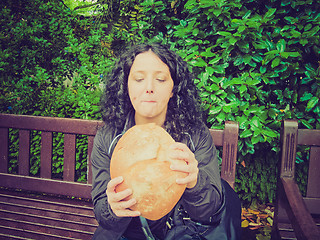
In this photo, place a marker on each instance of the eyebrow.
(141, 71)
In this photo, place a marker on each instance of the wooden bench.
(297, 217)
(45, 208)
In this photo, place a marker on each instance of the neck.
(144, 120)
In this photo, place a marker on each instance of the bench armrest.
(302, 221)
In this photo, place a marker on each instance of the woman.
(150, 83)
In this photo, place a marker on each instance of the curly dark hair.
(184, 112)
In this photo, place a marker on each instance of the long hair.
(183, 114)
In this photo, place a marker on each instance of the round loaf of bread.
(141, 157)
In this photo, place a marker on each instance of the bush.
(255, 62)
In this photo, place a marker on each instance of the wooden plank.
(302, 222)
(24, 152)
(64, 220)
(4, 149)
(69, 163)
(288, 148)
(43, 185)
(46, 154)
(309, 137)
(229, 154)
(313, 189)
(217, 135)
(53, 203)
(89, 165)
(313, 205)
(53, 124)
(44, 231)
(16, 233)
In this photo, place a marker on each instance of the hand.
(180, 151)
(117, 200)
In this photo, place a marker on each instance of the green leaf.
(312, 32)
(281, 45)
(208, 53)
(306, 123)
(243, 89)
(270, 13)
(263, 69)
(215, 60)
(275, 62)
(306, 96)
(252, 81)
(256, 139)
(312, 102)
(241, 29)
(215, 110)
(199, 62)
(247, 15)
(218, 69)
(227, 108)
(270, 133)
(246, 133)
(221, 117)
(232, 40)
(222, 33)
(290, 54)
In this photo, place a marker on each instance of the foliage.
(51, 65)
(255, 62)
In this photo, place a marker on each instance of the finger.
(178, 146)
(121, 205)
(127, 213)
(181, 151)
(114, 196)
(179, 155)
(113, 183)
(188, 179)
(119, 196)
(182, 167)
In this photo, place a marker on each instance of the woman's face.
(150, 88)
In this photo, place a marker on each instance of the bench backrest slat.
(69, 157)
(51, 124)
(24, 152)
(46, 154)
(89, 167)
(229, 154)
(311, 137)
(313, 190)
(4, 137)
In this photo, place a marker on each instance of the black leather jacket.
(200, 202)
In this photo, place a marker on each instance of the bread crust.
(141, 157)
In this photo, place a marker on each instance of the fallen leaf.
(243, 164)
(245, 223)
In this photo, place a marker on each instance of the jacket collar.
(130, 122)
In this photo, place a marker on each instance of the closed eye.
(160, 80)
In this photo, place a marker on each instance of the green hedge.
(255, 62)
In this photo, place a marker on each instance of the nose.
(149, 86)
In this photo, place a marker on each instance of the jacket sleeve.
(204, 201)
(101, 176)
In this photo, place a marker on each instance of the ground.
(257, 222)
